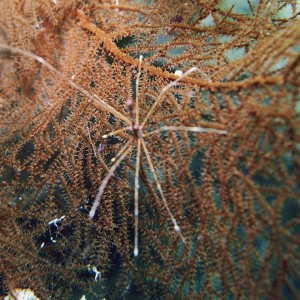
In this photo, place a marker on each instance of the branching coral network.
(137, 139)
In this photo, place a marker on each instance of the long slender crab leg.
(166, 88)
(136, 198)
(137, 112)
(136, 128)
(184, 128)
(120, 152)
(115, 132)
(102, 187)
(90, 140)
(71, 83)
(176, 226)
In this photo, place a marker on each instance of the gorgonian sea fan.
(122, 121)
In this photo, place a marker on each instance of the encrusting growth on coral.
(141, 136)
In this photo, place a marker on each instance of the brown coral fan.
(106, 148)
